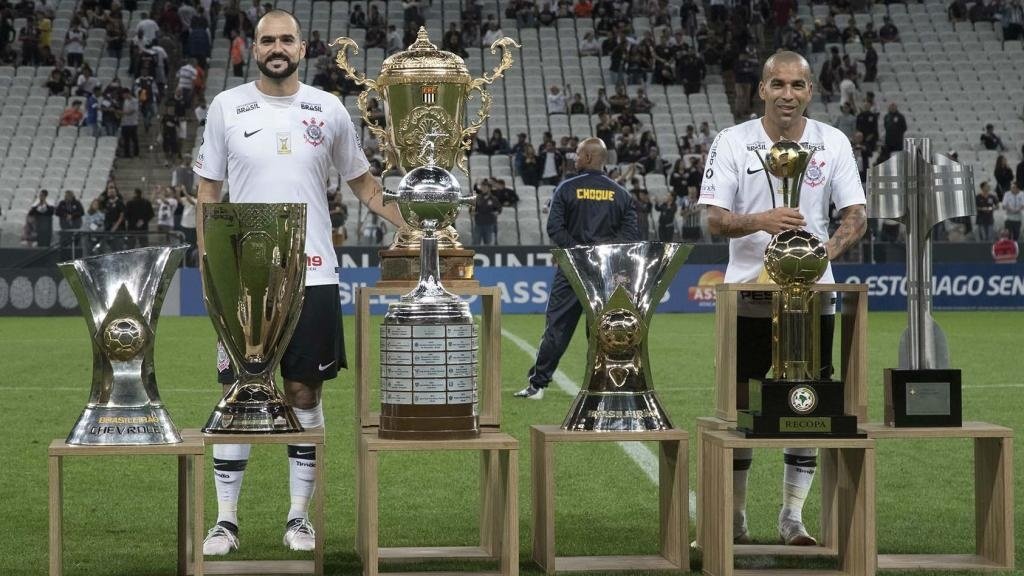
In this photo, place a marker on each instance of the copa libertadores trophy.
(254, 272)
(619, 285)
(429, 341)
(425, 92)
(120, 294)
(921, 190)
(796, 401)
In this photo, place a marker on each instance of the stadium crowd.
(159, 100)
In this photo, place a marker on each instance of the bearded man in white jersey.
(275, 140)
(742, 207)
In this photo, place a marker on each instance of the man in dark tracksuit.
(586, 209)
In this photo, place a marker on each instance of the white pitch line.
(637, 452)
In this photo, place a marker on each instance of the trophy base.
(401, 427)
(252, 418)
(756, 425)
(123, 426)
(616, 412)
(400, 266)
(923, 398)
(796, 397)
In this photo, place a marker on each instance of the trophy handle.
(506, 44)
(344, 43)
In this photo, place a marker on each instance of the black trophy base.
(755, 425)
(923, 398)
(796, 397)
(252, 418)
(616, 412)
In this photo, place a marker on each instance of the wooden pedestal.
(499, 509)
(993, 499)
(847, 469)
(852, 367)
(499, 512)
(673, 497)
(314, 436)
(190, 493)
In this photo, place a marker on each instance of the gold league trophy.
(425, 91)
(796, 401)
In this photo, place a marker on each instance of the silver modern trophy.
(921, 190)
(120, 294)
(429, 340)
(619, 285)
(254, 273)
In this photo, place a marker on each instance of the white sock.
(798, 474)
(302, 464)
(229, 461)
(741, 460)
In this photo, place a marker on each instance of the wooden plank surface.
(308, 436)
(993, 500)
(612, 563)
(935, 562)
(432, 552)
(554, 433)
(968, 430)
(783, 550)
(726, 303)
(733, 439)
(191, 443)
(488, 440)
(263, 567)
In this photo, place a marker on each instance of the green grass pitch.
(120, 512)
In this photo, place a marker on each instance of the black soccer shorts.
(317, 348)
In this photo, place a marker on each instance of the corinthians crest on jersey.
(314, 134)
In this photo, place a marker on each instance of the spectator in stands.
(520, 146)
(530, 166)
(393, 42)
(870, 62)
(452, 41)
(42, 213)
(846, 121)
(129, 124)
(653, 163)
(641, 104)
(1013, 205)
(485, 215)
(316, 47)
(639, 63)
(577, 106)
(28, 37)
(851, 34)
(1012, 17)
(556, 100)
(644, 207)
(147, 95)
(691, 70)
(73, 114)
(666, 207)
(116, 34)
(705, 135)
(186, 80)
(957, 11)
(169, 135)
(507, 196)
(187, 200)
(491, 32)
(138, 212)
(237, 54)
(979, 12)
(985, 203)
(693, 173)
(70, 212)
(745, 75)
(889, 32)
(149, 28)
(1003, 175)
(166, 204)
(619, 101)
(497, 143)
(627, 119)
(990, 140)
(590, 46)
(1005, 250)
(357, 18)
(687, 141)
(895, 127)
(550, 161)
(848, 90)
(199, 44)
(867, 124)
(113, 207)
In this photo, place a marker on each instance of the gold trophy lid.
(422, 57)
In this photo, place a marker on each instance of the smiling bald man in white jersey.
(742, 207)
(275, 140)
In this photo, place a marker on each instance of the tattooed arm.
(853, 223)
(722, 222)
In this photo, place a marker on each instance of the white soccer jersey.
(270, 152)
(735, 179)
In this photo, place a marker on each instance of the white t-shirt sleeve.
(347, 154)
(212, 162)
(847, 189)
(721, 180)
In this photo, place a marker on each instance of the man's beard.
(288, 71)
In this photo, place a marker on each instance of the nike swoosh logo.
(247, 134)
(326, 366)
(749, 171)
(803, 462)
(305, 453)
